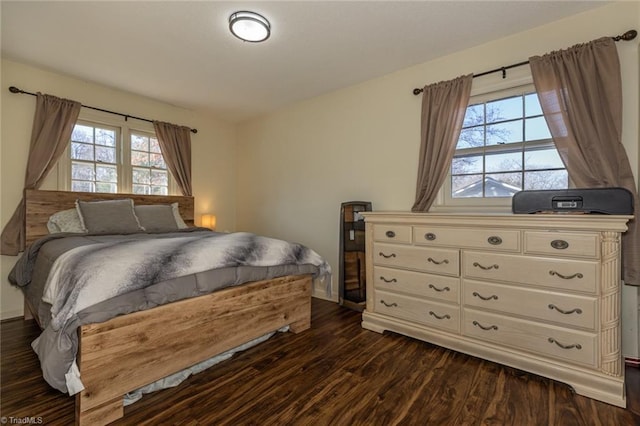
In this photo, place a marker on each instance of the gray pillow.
(157, 217)
(108, 217)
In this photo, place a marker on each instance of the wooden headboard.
(39, 205)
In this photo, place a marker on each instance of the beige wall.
(296, 166)
(214, 148)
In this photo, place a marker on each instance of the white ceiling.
(182, 53)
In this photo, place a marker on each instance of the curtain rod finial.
(14, 89)
(417, 91)
(629, 35)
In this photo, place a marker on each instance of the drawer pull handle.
(566, 277)
(576, 310)
(439, 289)
(430, 236)
(390, 234)
(445, 316)
(559, 244)
(491, 327)
(388, 305)
(577, 345)
(387, 256)
(392, 280)
(494, 240)
(432, 260)
(493, 296)
(486, 268)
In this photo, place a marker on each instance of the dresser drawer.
(493, 239)
(561, 274)
(431, 313)
(562, 244)
(416, 283)
(392, 233)
(440, 261)
(562, 309)
(555, 342)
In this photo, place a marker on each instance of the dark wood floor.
(334, 374)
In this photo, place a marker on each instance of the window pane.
(81, 186)
(551, 179)
(474, 115)
(532, 105)
(502, 184)
(82, 133)
(504, 109)
(156, 160)
(154, 146)
(536, 129)
(105, 137)
(471, 137)
(106, 187)
(140, 158)
(81, 151)
(81, 171)
(106, 155)
(141, 176)
(466, 186)
(106, 173)
(542, 159)
(504, 162)
(159, 190)
(139, 143)
(159, 178)
(141, 189)
(466, 165)
(503, 133)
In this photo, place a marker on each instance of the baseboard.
(5, 315)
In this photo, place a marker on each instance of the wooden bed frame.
(131, 351)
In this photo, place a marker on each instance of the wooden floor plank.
(336, 373)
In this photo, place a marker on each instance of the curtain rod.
(14, 89)
(629, 35)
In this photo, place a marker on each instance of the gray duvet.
(90, 278)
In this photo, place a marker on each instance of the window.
(504, 147)
(149, 171)
(93, 154)
(114, 157)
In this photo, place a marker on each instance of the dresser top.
(591, 222)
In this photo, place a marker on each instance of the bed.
(131, 350)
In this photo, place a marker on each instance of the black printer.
(582, 200)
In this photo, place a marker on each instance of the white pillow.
(65, 221)
(176, 215)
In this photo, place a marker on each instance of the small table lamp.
(209, 221)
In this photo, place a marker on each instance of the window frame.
(497, 90)
(124, 129)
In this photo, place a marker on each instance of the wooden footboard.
(131, 351)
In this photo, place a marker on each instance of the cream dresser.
(540, 293)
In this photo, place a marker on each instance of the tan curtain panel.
(52, 126)
(444, 105)
(580, 91)
(175, 143)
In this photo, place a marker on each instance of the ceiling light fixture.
(249, 26)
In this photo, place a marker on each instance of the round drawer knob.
(390, 234)
(559, 244)
(430, 236)
(494, 240)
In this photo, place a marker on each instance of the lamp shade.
(208, 221)
(249, 26)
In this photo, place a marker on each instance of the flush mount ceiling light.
(249, 26)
